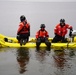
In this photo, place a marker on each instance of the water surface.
(16, 61)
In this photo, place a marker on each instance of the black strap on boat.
(6, 39)
(68, 45)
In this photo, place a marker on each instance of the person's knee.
(38, 42)
(47, 43)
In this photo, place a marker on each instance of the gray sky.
(36, 13)
(43, 0)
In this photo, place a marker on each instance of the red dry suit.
(62, 31)
(23, 28)
(41, 33)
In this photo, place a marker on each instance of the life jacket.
(41, 33)
(62, 31)
(23, 28)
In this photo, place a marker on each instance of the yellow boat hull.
(32, 44)
(14, 40)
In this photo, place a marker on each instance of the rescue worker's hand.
(71, 29)
(45, 38)
(29, 33)
(63, 38)
(57, 35)
(70, 33)
(38, 38)
(17, 37)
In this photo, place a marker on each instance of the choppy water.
(16, 61)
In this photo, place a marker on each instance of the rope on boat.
(68, 44)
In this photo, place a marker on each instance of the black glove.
(71, 29)
(39, 38)
(44, 37)
(29, 33)
(17, 36)
(63, 38)
(56, 35)
(70, 33)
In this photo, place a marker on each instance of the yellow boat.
(14, 40)
(32, 44)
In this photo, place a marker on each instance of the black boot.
(21, 42)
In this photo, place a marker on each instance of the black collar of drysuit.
(62, 25)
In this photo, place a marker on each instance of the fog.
(36, 13)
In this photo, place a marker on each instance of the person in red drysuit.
(23, 30)
(42, 36)
(61, 30)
